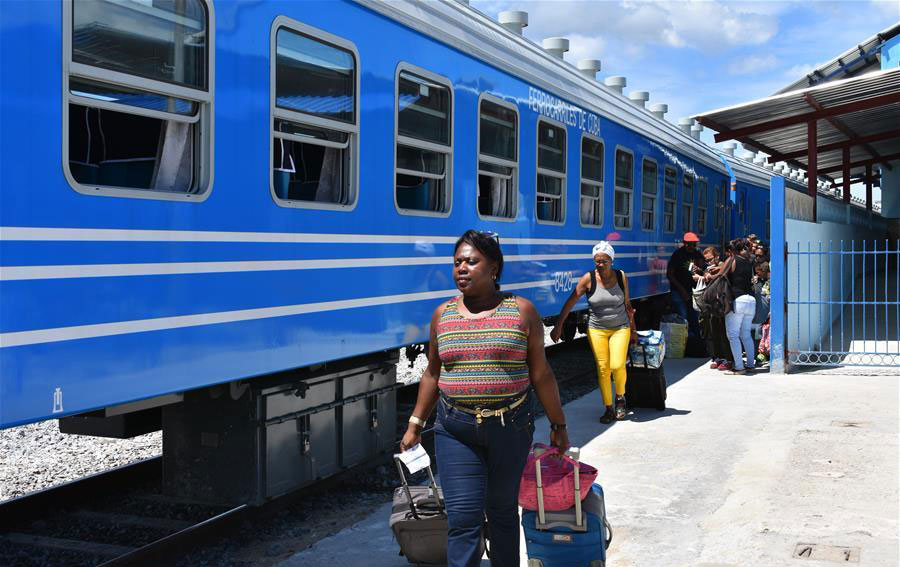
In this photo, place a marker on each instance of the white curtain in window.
(499, 197)
(331, 186)
(587, 211)
(173, 162)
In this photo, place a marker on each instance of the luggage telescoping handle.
(434, 487)
(572, 455)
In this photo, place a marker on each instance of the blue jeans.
(686, 310)
(737, 327)
(480, 467)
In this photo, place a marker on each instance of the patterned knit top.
(484, 360)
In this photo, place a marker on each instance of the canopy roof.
(859, 115)
(858, 60)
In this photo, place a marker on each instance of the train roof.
(470, 31)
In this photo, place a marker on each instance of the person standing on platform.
(610, 327)
(681, 280)
(485, 358)
(712, 326)
(738, 321)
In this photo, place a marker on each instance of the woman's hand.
(634, 337)
(560, 440)
(411, 438)
(555, 333)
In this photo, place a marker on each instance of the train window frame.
(667, 200)
(601, 185)
(307, 120)
(448, 150)
(719, 219)
(688, 206)
(562, 176)
(203, 119)
(492, 160)
(702, 190)
(617, 188)
(655, 196)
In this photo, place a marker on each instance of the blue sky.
(701, 55)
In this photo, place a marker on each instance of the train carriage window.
(591, 181)
(702, 196)
(687, 202)
(498, 158)
(719, 215)
(424, 142)
(551, 172)
(315, 137)
(138, 94)
(624, 188)
(670, 193)
(649, 190)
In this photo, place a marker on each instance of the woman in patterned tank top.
(485, 356)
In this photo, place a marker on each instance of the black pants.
(713, 329)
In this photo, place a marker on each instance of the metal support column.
(812, 168)
(868, 187)
(778, 277)
(846, 174)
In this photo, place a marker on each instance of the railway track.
(121, 517)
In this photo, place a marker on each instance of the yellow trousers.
(610, 352)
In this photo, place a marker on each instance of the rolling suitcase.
(419, 521)
(645, 386)
(577, 537)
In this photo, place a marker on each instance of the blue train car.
(196, 193)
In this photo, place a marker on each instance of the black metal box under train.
(251, 444)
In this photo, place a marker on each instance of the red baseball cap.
(690, 237)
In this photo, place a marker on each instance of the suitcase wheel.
(598, 563)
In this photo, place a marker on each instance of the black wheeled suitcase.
(419, 521)
(645, 386)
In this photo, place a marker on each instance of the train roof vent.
(513, 20)
(639, 98)
(589, 67)
(616, 83)
(659, 110)
(729, 148)
(695, 131)
(685, 125)
(556, 46)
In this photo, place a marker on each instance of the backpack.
(620, 279)
(718, 297)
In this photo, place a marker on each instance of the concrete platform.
(737, 472)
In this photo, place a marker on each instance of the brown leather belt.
(481, 413)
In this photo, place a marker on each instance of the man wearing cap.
(681, 264)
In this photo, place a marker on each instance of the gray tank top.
(607, 308)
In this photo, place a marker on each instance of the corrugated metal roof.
(777, 125)
(858, 60)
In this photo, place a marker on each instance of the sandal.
(620, 408)
(609, 416)
(736, 372)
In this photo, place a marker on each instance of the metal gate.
(842, 303)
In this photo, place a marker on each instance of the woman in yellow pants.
(610, 327)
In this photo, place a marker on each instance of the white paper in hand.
(415, 458)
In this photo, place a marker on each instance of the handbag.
(697, 294)
(557, 479)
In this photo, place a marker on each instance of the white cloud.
(752, 64)
(695, 24)
(889, 8)
(796, 72)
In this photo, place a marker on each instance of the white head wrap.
(604, 247)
